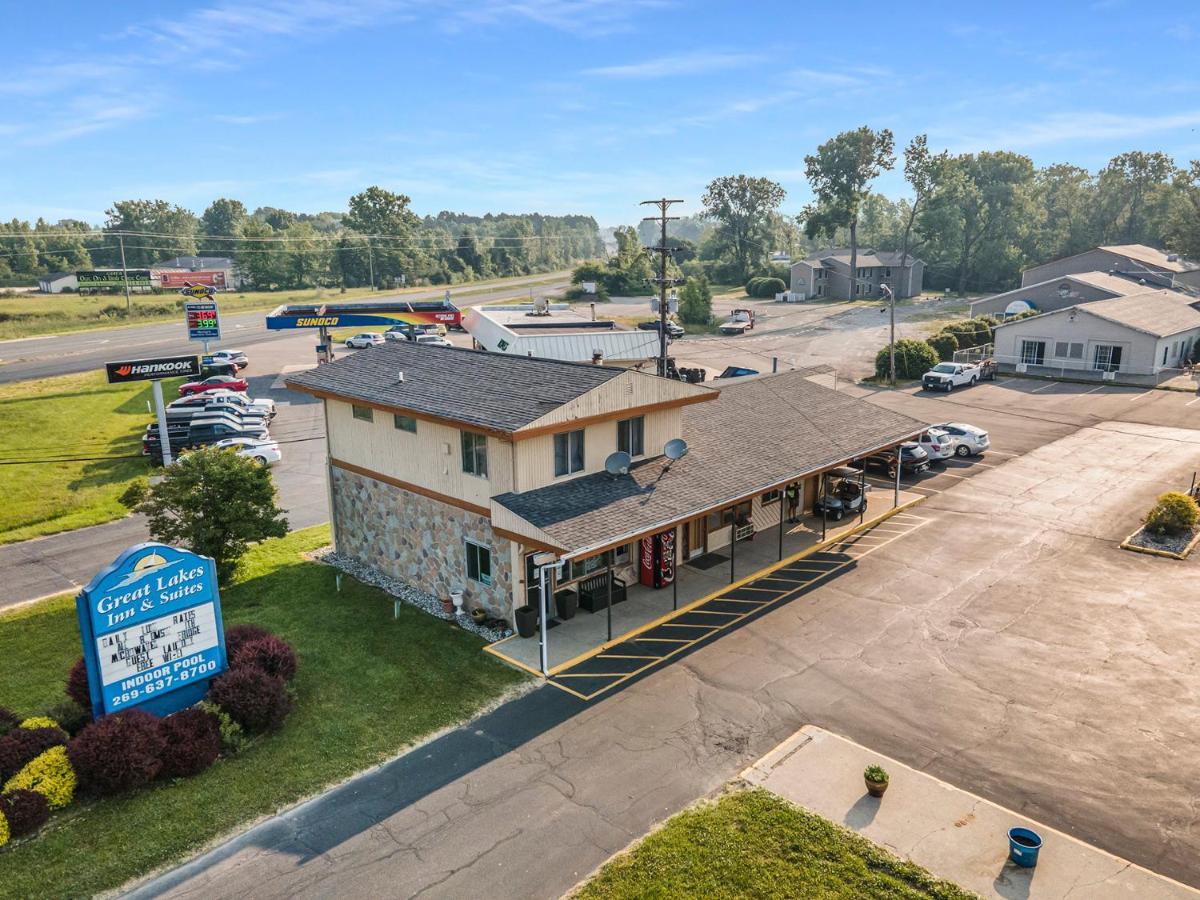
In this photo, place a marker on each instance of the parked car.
(397, 333)
(736, 372)
(213, 383)
(264, 452)
(366, 339)
(968, 440)
(947, 376)
(264, 405)
(199, 432)
(913, 460)
(433, 340)
(843, 494)
(185, 414)
(937, 443)
(674, 329)
(237, 357)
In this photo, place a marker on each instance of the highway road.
(81, 351)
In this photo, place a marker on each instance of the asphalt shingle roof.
(758, 434)
(1152, 256)
(487, 390)
(1159, 313)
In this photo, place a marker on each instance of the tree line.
(379, 237)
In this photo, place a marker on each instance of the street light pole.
(891, 333)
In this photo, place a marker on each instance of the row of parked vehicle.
(843, 495)
(432, 335)
(217, 411)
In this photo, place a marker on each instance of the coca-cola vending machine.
(656, 566)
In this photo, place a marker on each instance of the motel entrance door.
(695, 538)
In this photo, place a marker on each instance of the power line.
(335, 235)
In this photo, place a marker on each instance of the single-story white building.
(555, 331)
(1143, 338)
(57, 282)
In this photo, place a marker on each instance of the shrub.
(50, 774)
(26, 811)
(193, 742)
(270, 654)
(22, 745)
(3, 830)
(71, 717)
(233, 738)
(118, 752)
(77, 685)
(876, 774)
(765, 286)
(1174, 513)
(943, 344)
(695, 301)
(255, 700)
(39, 722)
(913, 359)
(242, 634)
(8, 720)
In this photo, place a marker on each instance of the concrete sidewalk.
(953, 834)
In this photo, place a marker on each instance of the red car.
(213, 383)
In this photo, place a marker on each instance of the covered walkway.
(709, 595)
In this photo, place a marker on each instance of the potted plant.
(479, 615)
(526, 618)
(567, 603)
(876, 779)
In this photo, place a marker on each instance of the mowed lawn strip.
(368, 685)
(68, 447)
(755, 844)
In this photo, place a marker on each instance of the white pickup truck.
(949, 375)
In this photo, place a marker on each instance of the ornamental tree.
(215, 503)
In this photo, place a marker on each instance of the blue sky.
(557, 106)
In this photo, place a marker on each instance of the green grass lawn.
(30, 314)
(753, 844)
(368, 684)
(72, 418)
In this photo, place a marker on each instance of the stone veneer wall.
(418, 540)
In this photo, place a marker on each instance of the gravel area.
(1169, 543)
(408, 594)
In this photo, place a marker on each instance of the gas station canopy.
(364, 315)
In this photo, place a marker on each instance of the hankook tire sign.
(149, 369)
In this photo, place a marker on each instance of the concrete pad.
(948, 831)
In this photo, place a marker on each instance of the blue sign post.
(151, 630)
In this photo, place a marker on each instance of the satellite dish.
(676, 448)
(618, 463)
(1017, 307)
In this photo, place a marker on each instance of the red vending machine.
(656, 566)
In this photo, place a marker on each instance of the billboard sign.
(112, 278)
(150, 369)
(151, 629)
(203, 320)
(214, 278)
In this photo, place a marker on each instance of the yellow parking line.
(584, 697)
(713, 612)
(685, 625)
(623, 656)
(646, 640)
(736, 600)
(592, 674)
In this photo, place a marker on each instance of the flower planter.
(567, 603)
(527, 619)
(875, 788)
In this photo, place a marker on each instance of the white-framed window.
(1033, 353)
(362, 413)
(1106, 357)
(479, 562)
(405, 423)
(631, 435)
(568, 452)
(474, 454)
(1068, 350)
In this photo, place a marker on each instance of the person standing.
(793, 502)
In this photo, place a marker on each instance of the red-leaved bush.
(193, 742)
(25, 811)
(21, 745)
(271, 654)
(237, 635)
(118, 752)
(77, 685)
(8, 720)
(255, 700)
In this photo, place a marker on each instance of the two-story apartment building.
(451, 468)
(827, 274)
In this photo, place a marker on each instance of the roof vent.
(1172, 257)
(400, 377)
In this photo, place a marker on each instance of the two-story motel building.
(452, 468)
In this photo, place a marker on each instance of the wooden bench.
(593, 592)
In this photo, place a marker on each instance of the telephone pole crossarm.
(664, 252)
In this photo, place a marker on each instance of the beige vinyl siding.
(431, 458)
(1137, 348)
(627, 390)
(535, 456)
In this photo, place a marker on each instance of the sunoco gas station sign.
(151, 630)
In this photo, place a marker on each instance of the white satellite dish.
(1017, 307)
(676, 448)
(618, 463)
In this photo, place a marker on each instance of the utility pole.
(125, 274)
(371, 261)
(663, 252)
(891, 295)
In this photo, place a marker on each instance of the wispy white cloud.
(695, 63)
(1182, 31)
(1064, 128)
(251, 119)
(85, 117)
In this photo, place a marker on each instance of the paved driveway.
(1008, 647)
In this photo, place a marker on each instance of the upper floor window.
(474, 454)
(631, 435)
(405, 423)
(887, 273)
(362, 413)
(568, 452)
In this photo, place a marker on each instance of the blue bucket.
(1023, 846)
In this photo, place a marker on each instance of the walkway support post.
(782, 498)
(862, 494)
(608, 606)
(824, 504)
(896, 493)
(542, 617)
(732, 549)
(675, 572)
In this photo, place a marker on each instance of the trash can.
(1023, 846)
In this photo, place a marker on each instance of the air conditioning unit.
(1108, 376)
(1022, 368)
